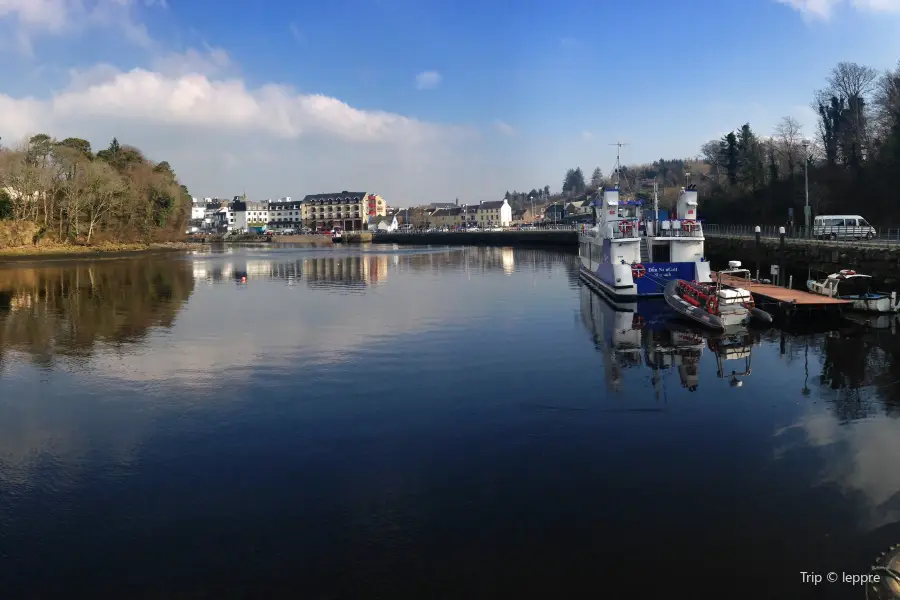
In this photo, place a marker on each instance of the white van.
(842, 226)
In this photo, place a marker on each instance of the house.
(494, 214)
(416, 217)
(350, 210)
(198, 209)
(223, 219)
(577, 207)
(250, 214)
(554, 212)
(383, 223)
(447, 217)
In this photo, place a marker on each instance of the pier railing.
(828, 235)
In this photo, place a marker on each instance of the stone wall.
(882, 262)
(555, 239)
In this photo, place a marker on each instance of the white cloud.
(428, 80)
(823, 9)
(32, 17)
(504, 128)
(186, 110)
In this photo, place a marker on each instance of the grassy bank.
(103, 250)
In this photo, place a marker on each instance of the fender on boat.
(690, 311)
(757, 315)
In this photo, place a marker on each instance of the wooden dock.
(774, 294)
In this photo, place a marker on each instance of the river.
(404, 422)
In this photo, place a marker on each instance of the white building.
(250, 214)
(198, 209)
(383, 223)
(284, 214)
(494, 213)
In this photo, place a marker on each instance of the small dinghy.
(712, 306)
(850, 285)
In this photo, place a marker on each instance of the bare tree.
(886, 101)
(854, 83)
(789, 141)
(104, 189)
(711, 154)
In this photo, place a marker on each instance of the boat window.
(854, 286)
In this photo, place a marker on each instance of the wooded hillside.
(61, 191)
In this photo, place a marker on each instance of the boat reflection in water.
(648, 334)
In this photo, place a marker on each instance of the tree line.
(851, 158)
(72, 194)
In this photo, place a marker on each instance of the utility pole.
(806, 212)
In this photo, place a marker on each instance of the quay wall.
(549, 239)
(882, 262)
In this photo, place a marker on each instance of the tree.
(574, 181)
(546, 191)
(72, 194)
(597, 178)
(789, 135)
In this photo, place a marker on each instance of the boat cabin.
(843, 283)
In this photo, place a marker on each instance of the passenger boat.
(855, 287)
(714, 306)
(627, 261)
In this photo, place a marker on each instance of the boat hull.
(867, 303)
(651, 283)
(694, 313)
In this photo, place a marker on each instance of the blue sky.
(517, 93)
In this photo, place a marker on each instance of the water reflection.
(647, 334)
(65, 310)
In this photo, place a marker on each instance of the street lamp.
(806, 213)
(532, 207)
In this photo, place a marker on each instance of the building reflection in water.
(644, 335)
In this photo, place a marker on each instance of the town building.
(494, 213)
(350, 210)
(284, 214)
(250, 214)
(386, 223)
(555, 212)
(447, 217)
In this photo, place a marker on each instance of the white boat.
(628, 257)
(855, 287)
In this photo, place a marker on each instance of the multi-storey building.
(494, 213)
(250, 214)
(285, 214)
(350, 210)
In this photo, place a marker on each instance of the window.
(864, 223)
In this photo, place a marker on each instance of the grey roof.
(447, 212)
(374, 220)
(334, 196)
(442, 205)
(492, 204)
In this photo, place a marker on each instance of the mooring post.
(758, 235)
(781, 255)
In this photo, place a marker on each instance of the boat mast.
(618, 146)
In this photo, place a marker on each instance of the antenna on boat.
(618, 146)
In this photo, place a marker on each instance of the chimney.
(480, 202)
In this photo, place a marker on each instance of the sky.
(419, 100)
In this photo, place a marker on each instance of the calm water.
(386, 423)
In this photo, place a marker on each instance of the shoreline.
(66, 253)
